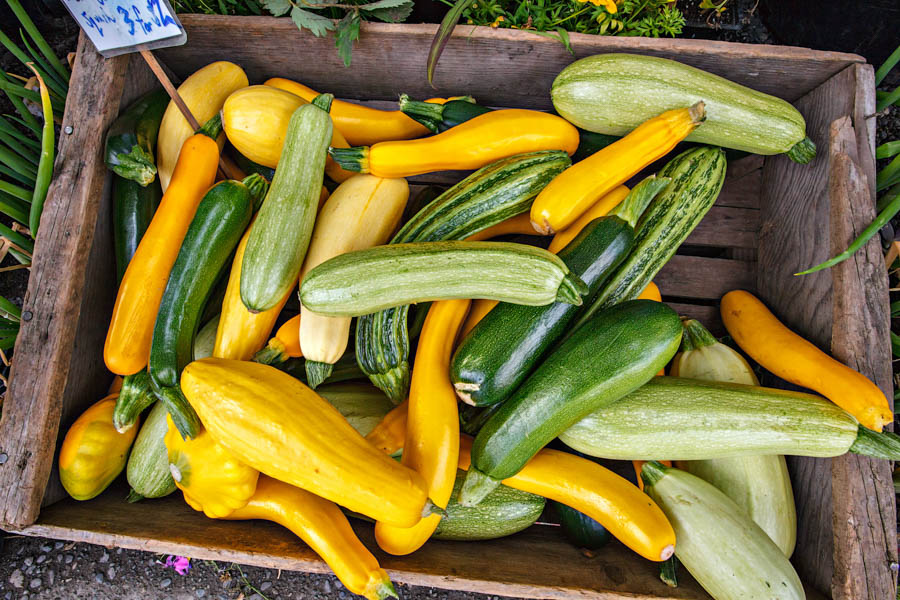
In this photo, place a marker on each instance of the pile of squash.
(518, 344)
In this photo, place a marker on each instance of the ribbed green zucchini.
(365, 281)
(134, 397)
(280, 235)
(726, 552)
(688, 419)
(148, 464)
(490, 195)
(506, 345)
(614, 93)
(221, 218)
(131, 139)
(362, 404)
(345, 369)
(613, 354)
(696, 178)
(205, 340)
(133, 209)
(503, 512)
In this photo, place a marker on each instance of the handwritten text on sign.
(118, 26)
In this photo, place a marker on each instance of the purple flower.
(181, 564)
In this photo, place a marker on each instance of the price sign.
(119, 26)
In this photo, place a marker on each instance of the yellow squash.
(760, 334)
(519, 224)
(471, 145)
(601, 208)
(390, 433)
(93, 453)
(432, 429)
(362, 212)
(279, 426)
(212, 480)
(325, 529)
(255, 120)
(574, 190)
(284, 344)
(361, 125)
(204, 93)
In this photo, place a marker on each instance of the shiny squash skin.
(204, 92)
(601, 208)
(127, 347)
(276, 424)
(212, 480)
(93, 453)
(769, 342)
(432, 429)
(389, 435)
(323, 526)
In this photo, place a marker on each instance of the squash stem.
(323, 101)
(258, 186)
(134, 397)
(882, 445)
(136, 164)
(476, 487)
(695, 335)
(652, 472)
(351, 159)
(428, 114)
(212, 128)
(639, 198)
(133, 496)
(183, 415)
(571, 289)
(272, 354)
(394, 382)
(317, 372)
(386, 589)
(668, 572)
(803, 151)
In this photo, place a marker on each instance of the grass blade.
(888, 149)
(16, 163)
(27, 118)
(443, 36)
(35, 129)
(886, 67)
(13, 207)
(879, 95)
(24, 179)
(15, 191)
(50, 78)
(20, 91)
(9, 310)
(14, 146)
(886, 177)
(17, 238)
(39, 40)
(886, 101)
(7, 128)
(48, 150)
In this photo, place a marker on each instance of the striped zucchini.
(614, 93)
(134, 397)
(726, 552)
(492, 194)
(361, 404)
(365, 281)
(688, 419)
(696, 177)
(148, 464)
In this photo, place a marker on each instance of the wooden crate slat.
(706, 278)
(726, 227)
(31, 412)
(707, 315)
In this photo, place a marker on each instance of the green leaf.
(895, 344)
(278, 8)
(347, 33)
(389, 11)
(888, 149)
(443, 36)
(316, 23)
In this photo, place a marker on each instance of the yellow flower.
(609, 5)
(497, 22)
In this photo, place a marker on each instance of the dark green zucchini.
(134, 397)
(504, 512)
(507, 344)
(492, 194)
(581, 530)
(131, 139)
(217, 227)
(614, 353)
(133, 209)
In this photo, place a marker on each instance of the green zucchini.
(133, 209)
(205, 340)
(612, 355)
(499, 353)
(689, 419)
(614, 93)
(134, 397)
(362, 404)
(581, 530)
(148, 464)
(725, 551)
(503, 512)
(131, 139)
(345, 369)
(696, 178)
(492, 194)
(221, 218)
(280, 235)
(365, 281)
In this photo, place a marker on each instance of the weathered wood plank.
(381, 72)
(706, 278)
(538, 563)
(44, 347)
(862, 488)
(708, 315)
(726, 227)
(794, 223)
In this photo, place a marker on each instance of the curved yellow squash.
(204, 93)
(93, 452)
(212, 480)
(279, 426)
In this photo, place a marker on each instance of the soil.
(48, 569)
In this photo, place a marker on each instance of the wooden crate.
(773, 218)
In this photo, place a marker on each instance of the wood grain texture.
(537, 563)
(32, 409)
(709, 316)
(704, 278)
(390, 59)
(862, 488)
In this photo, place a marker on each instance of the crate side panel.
(33, 404)
(390, 59)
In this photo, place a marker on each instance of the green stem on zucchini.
(476, 487)
(317, 372)
(183, 415)
(803, 151)
(571, 289)
(351, 159)
(133, 497)
(884, 445)
(137, 164)
(428, 114)
(652, 471)
(272, 354)
(668, 571)
(258, 186)
(432, 509)
(323, 101)
(639, 198)
(695, 335)
(134, 397)
(386, 590)
(212, 128)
